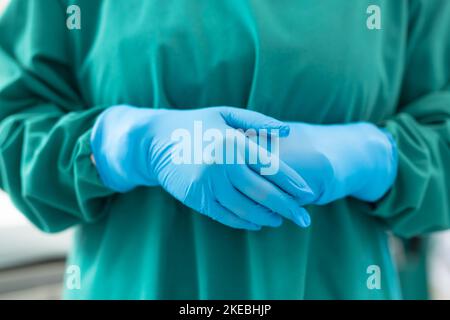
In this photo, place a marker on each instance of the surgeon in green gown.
(311, 61)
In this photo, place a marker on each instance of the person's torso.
(309, 60)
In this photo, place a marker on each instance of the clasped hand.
(315, 164)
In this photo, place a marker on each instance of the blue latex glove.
(134, 147)
(358, 160)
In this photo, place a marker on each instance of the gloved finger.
(278, 172)
(221, 214)
(246, 119)
(246, 209)
(289, 181)
(267, 194)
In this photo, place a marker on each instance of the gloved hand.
(135, 147)
(358, 160)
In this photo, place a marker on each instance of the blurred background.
(32, 263)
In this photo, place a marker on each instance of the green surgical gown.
(314, 61)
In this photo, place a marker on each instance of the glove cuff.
(382, 168)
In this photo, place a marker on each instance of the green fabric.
(309, 60)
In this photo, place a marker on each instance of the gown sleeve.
(45, 162)
(419, 200)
